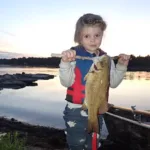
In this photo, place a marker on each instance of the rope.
(129, 120)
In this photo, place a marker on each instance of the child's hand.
(68, 55)
(124, 59)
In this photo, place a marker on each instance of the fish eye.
(102, 64)
(92, 71)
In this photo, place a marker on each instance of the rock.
(21, 80)
(37, 76)
(12, 84)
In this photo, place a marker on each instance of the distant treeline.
(138, 63)
(32, 61)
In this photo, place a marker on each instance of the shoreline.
(47, 138)
(130, 69)
(23, 66)
(37, 136)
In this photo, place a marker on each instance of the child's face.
(91, 38)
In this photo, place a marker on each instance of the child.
(88, 34)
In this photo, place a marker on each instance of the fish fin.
(86, 76)
(84, 107)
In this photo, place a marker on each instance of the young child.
(88, 34)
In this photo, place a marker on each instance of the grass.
(12, 141)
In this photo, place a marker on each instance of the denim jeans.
(76, 121)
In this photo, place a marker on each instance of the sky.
(42, 27)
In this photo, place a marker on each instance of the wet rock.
(21, 80)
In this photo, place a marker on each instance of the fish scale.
(97, 83)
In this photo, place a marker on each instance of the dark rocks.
(38, 76)
(12, 84)
(21, 80)
(37, 136)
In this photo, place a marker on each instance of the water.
(44, 104)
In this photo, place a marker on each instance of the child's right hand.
(68, 55)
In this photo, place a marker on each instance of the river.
(44, 104)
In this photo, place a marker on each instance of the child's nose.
(92, 39)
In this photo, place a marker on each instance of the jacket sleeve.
(117, 74)
(66, 73)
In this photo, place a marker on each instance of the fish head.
(97, 69)
(94, 72)
(100, 65)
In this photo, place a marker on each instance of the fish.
(96, 92)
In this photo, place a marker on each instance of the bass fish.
(96, 92)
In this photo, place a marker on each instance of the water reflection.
(137, 76)
(44, 104)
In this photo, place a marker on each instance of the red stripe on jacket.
(77, 94)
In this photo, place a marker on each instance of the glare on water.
(44, 104)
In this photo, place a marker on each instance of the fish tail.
(96, 126)
(90, 128)
(93, 125)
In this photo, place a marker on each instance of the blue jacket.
(76, 93)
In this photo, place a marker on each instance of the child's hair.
(88, 20)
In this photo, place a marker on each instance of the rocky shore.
(44, 138)
(21, 80)
(38, 137)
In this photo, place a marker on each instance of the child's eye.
(86, 36)
(97, 35)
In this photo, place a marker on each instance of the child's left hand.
(124, 59)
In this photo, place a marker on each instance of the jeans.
(76, 121)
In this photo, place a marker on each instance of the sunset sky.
(43, 27)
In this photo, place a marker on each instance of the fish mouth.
(95, 67)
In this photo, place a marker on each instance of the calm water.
(44, 104)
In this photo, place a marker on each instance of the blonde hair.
(88, 20)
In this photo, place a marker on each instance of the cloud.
(7, 33)
(9, 55)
